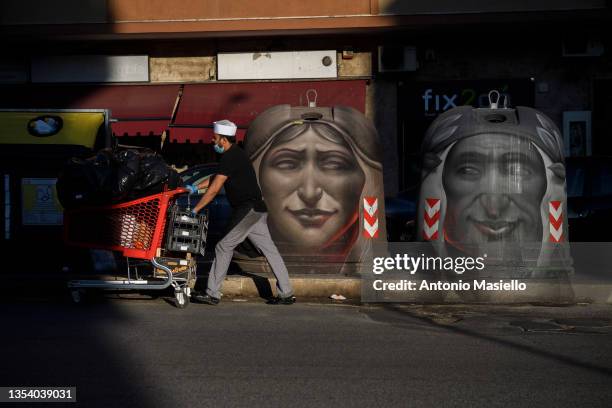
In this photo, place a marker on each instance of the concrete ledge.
(593, 292)
(308, 286)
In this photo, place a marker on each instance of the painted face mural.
(313, 183)
(494, 185)
(493, 181)
(315, 167)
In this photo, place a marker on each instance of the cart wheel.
(181, 298)
(77, 295)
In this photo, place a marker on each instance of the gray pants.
(255, 227)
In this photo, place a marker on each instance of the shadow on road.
(403, 312)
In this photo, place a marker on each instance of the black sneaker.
(198, 297)
(277, 300)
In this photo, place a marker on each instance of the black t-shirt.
(241, 185)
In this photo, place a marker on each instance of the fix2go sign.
(435, 102)
(422, 101)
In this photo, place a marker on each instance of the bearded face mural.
(494, 185)
(493, 182)
(316, 168)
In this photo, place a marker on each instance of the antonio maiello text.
(481, 284)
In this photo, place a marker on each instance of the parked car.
(219, 210)
(400, 214)
(589, 196)
(401, 210)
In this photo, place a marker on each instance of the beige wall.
(137, 10)
(81, 18)
(203, 68)
(358, 66)
(182, 69)
(100, 11)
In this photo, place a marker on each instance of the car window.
(199, 180)
(602, 180)
(189, 174)
(197, 173)
(186, 175)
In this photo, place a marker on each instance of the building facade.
(166, 70)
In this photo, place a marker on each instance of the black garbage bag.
(114, 176)
(103, 169)
(154, 173)
(127, 167)
(86, 181)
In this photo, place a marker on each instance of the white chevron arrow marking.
(370, 209)
(431, 211)
(555, 213)
(556, 233)
(371, 229)
(429, 231)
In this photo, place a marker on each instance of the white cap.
(225, 127)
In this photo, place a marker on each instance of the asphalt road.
(146, 353)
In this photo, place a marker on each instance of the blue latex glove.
(193, 212)
(193, 189)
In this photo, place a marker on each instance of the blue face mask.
(219, 149)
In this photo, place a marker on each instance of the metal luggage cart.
(156, 237)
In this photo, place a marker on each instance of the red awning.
(139, 109)
(147, 109)
(140, 127)
(202, 104)
(197, 135)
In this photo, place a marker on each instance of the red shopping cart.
(152, 229)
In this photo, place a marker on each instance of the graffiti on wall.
(493, 182)
(320, 174)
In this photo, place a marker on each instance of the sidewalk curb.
(303, 286)
(323, 286)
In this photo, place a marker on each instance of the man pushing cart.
(249, 217)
